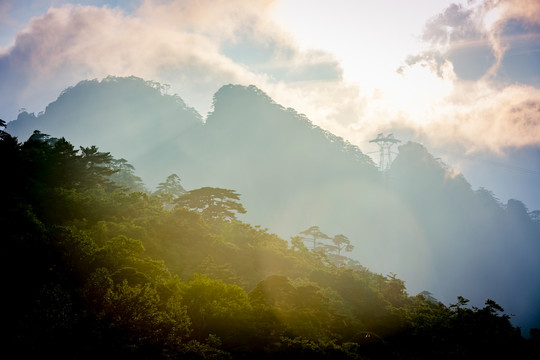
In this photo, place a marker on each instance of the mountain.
(420, 220)
(129, 117)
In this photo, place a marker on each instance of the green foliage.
(329, 252)
(212, 203)
(170, 190)
(302, 310)
(341, 243)
(216, 308)
(313, 234)
(124, 176)
(94, 270)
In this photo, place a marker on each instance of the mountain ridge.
(423, 223)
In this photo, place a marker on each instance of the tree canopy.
(94, 270)
(212, 203)
(171, 189)
(313, 234)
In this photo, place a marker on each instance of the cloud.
(482, 117)
(476, 115)
(197, 47)
(458, 34)
(181, 43)
(78, 42)
(430, 58)
(527, 10)
(4, 12)
(456, 23)
(476, 34)
(219, 19)
(466, 48)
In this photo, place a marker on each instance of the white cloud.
(184, 44)
(482, 116)
(478, 112)
(219, 19)
(176, 42)
(72, 43)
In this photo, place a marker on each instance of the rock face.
(421, 222)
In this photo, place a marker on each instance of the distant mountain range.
(419, 220)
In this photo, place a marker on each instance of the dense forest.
(420, 220)
(97, 266)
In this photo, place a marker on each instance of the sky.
(461, 77)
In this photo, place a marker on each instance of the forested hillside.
(96, 269)
(420, 220)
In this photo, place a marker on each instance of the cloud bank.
(467, 45)
(198, 46)
(77, 42)
(176, 42)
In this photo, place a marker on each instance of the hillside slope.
(423, 222)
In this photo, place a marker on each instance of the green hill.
(420, 221)
(97, 270)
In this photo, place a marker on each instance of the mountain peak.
(235, 90)
(135, 105)
(248, 100)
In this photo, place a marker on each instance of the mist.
(419, 220)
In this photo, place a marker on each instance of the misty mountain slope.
(477, 245)
(423, 222)
(269, 132)
(277, 159)
(248, 143)
(129, 117)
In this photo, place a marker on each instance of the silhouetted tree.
(39, 136)
(314, 233)
(125, 175)
(339, 243)
(212, 203)
(99, 274)
(342, 243)
(170, 190)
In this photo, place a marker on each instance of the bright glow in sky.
(370, 41)
(463, 77)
